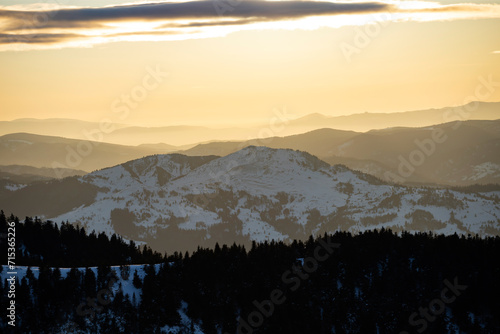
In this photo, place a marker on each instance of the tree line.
(375, 282)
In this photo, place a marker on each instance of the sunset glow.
(233, 61)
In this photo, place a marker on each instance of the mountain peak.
(258, 193)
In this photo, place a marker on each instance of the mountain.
(14, 177)
(62, 127)
(162, 147)
(318, 142)
(116, 133)
(62, 154)
(281, 123)
(417, 118)
(466, 154)
(454, 153)
(48, 173)
(177, 135)
(177, 202)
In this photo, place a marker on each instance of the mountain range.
(179, 202)
(454, 153)
(417, 118)
(457, 153)
(281, 123)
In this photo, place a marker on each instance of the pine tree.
(137, 280)
(125, 272)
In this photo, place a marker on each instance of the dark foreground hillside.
(374, 282)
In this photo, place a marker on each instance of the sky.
(218, 62)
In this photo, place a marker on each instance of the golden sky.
(232, 62)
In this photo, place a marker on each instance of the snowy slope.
(269, 194)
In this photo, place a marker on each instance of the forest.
(372, 282)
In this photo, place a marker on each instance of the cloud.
(199, 9)
(199, 19)
(213, 23)
(36, 38)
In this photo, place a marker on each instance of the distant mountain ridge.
(180, 135)
(42, 171)
(63, 153)
(367, 121)
(466, 154)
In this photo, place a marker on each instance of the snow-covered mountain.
(176, 202)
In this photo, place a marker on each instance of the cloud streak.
(36, 38)
(197, 19)
(198, 9)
